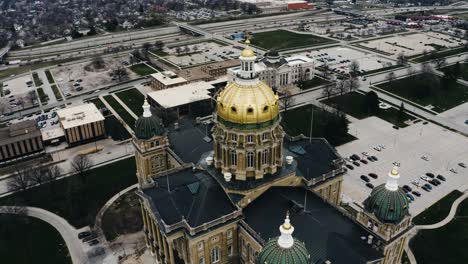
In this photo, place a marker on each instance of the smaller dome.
(388, 202)
(272, 54)
(247, 52)
(284, 249)
(147, 125)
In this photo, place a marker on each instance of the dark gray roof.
(148, 127)
(314, 158)
(193, 196)
(19, 131)
(269, 63)
(327, 233)
(189, 141)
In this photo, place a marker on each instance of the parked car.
(436, 181)
(364, 161)
(369, 158)
(430, 175)
(365, 153)
(382, 146)
(396, 164)
(425, 158)
(349, 166)
(433, 183)
(365, 178)
(375, 158)
(418, 194)
(425, 178)
(378, 148)
(407, 188)
(90, 237)
(356, 163)
(453, 170)
(373, 175)
(84, 234)
(440, 177)
(415, 183)
(410, 197)
(461, 164)
(370, 185)
(93, 242)
(428, 186)
(425, 188)
(355, 157)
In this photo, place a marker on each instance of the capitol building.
(235, 188)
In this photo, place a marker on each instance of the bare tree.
(426, 68)
(81, 165)
(186, 49)
(37, 176)
(195, 48)
(158, 45)
(390, 77)
(4, 107)
(286, 98)
(21, 180)
(402, 59)
(328, 90)
(16, 210)
(146, 46)
(353, 83)
(98, 62)
(120, 72)
(440, 62)
(20, 102)
(411, 71)
(354, 67)
(178, 50)
(32, 96)
(342, 86)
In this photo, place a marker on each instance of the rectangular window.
(229, 234)
(230, 251)
(250, 138)
(234, 137)
(265, 136)
(200, 246)
(201, 260)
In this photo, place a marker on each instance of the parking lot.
(80, 78)
(413, 44)
(444, 149)
(339, 59)
(17, 94)
(200, 53)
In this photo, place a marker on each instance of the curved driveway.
(68, 232)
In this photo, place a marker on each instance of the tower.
(248, 137)
(151, 146)
(284, 249)
(386, 214)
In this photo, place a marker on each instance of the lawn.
(283, 39)
(133, 99)
(120, 110)
(98, 103)
(428, 90)
(37, 80)
(446, 244)
(25, 240)
(440, 54)
(316, 81)
(325, 124)
(354, 104)
(56, 91)
(49, 77)
(42, 96)
(142, 69)
(26, 68)
(463, 74)
(77, 201)
(122, 217)
(438, 211)
(115, 129)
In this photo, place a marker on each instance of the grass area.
(446, 244)
(25, 240)
(463, 74)
(283, 39)
(142, 69)
(49, 76)
(98, 103)
(42, 96)
(57, 93)
(133, 99)
(36, 79)
(120, 110)
(316, 81)
(438, 211)
(325, 124)
(23, 69)
(393, 67)
(355, 104)
(160, 52)
(76, 200)
(444, 53)
(463, 16)
(122, 217)
(115, 129)
(428, 90)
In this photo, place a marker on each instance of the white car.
(378, 148)
(425, 158)
(453, 170)
(365, 154)
(416, 183)
(382, 146)
(425, 178)
(396, 164)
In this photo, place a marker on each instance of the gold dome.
(247, 52)
(247, 104)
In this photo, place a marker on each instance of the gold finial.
(394, 171)
(287, 225)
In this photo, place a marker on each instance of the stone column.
(166, 253)
(145, 224)
(171, 252)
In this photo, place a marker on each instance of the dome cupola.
(148, 126)
(388, 202)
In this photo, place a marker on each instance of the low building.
(166, 79)
(184, 99)
(278, 71)
(207, 72)
(299, 5)
(20, 140)
(82, 123)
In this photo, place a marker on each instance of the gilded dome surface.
(247, 52)
(388, 206)
(247, 103)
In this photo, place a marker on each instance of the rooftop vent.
(227, 176)
(209, 161)
(289, 160)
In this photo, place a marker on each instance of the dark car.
(406, 188)
(373, 175)
(84, 234)
(375, 158)
(356, 163)
(410, 197)
(436, 182)
(364, 161)
(433, 182)
(365, 178)
(418, 194)
(370, 158)
(440, 177)
(90, 237)
(349, 166)
(428, 186)
(430, 175)
(370, 185)
(355, 157)
(424, 187)
(93, 242)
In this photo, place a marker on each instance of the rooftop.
(182, 95)
(168, 78)
(327, 233)
(79, 115)
(19, 131)
(52, 133)
(191, 195)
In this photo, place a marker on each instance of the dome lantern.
(147, 125)
(247, 58)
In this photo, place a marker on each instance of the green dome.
(272, 253)
(148, 126)
(387, 205)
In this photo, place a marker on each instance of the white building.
(278, 71)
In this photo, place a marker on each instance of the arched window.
(215, 254)
(233, 158)
(265, 156)
(250, 138)
(250, 160)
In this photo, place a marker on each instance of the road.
(68, 232)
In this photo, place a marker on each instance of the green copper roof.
(148, 127)
(388, 206)
(272, 253)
